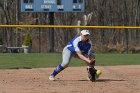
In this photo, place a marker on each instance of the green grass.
(53, 59)
(118, 59)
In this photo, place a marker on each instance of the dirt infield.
(115, 79)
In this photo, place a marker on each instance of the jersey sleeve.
(75, 44)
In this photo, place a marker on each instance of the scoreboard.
(52, 5)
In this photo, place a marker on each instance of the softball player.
(80, 47)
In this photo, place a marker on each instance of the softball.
(98, 72)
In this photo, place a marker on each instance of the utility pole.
(51, 32)
(127, 41)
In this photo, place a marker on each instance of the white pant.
(66, 57)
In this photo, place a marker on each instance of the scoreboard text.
(52, 5)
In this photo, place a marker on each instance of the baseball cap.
(85, 32)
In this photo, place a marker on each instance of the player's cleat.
(51, 78)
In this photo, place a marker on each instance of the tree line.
(97, 13)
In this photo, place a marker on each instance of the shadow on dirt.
(21, 68)
(100, 80)
(105, 80)
(109, 80)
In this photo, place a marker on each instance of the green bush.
(27, 40)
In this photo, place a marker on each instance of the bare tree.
(104, 13)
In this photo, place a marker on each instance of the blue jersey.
(77, 45)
